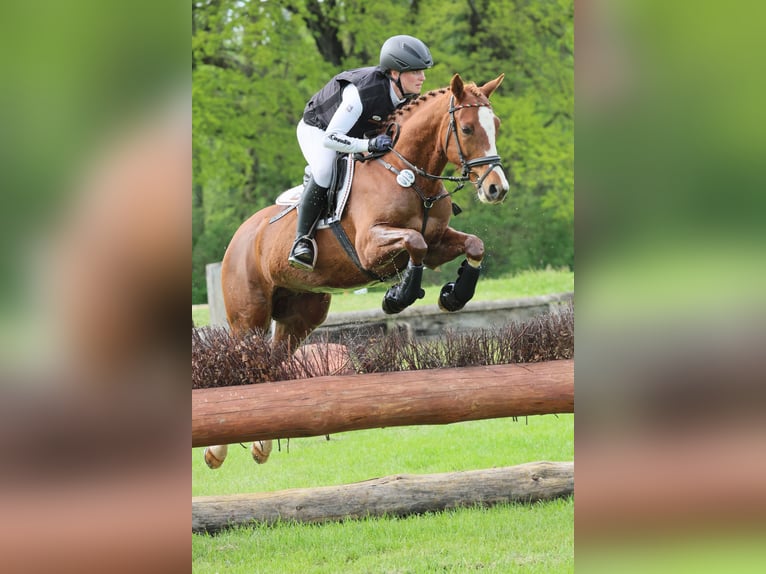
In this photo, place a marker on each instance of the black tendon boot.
(303, 253)
(454, 296)
(404, 294)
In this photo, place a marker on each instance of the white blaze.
(487, 121)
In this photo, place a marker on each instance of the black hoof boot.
(404, 294)
(454, 296)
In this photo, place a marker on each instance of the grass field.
(535, 538)
(506, 538)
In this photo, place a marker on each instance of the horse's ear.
(490, 87)
(456, 86)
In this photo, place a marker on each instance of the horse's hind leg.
(248, 307)
(297, 315)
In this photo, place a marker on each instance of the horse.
(395, 221)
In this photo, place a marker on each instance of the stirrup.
(299, 263)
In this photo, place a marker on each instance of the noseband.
(467, 166)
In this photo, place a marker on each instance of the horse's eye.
(467, 130)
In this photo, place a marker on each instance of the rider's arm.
(343, 120)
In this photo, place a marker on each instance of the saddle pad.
(292, 196)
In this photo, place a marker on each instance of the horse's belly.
(321, 283)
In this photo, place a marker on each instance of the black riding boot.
(303, 253)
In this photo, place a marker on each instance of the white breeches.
(319, 157)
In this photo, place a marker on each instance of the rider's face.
(412, 81)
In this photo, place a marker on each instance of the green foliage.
(255, 64)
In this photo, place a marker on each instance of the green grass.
(503, 539)
(526, 284)
(506, 538)
(200, 315)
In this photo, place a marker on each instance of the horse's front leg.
(456, 294)
(383, 244)
(406, 292)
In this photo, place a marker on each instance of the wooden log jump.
(397, 495)
(333, 404)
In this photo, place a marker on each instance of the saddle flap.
(340, 190)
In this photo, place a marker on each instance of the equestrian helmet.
(404, 53)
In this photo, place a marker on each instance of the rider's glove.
(380, 143)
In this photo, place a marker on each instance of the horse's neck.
(420, 138)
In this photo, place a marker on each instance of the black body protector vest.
(374, 91)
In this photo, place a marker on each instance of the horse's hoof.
(392, 306)
(261, 450)
(447, 299)
(211, 460)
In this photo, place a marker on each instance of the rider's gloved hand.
(380, 143)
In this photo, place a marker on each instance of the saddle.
(337, 197)
(337, 193)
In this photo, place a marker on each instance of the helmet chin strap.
(398, 83)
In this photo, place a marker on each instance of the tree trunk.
(397, 495)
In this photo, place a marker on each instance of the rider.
(336, 118)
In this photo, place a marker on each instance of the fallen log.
(397, 495)
(333, 404)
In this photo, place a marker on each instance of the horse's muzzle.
(492, 186)
(494, 193)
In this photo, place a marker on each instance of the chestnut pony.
(396, 220)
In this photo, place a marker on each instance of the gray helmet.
(403, 53)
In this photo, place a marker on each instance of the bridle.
(466, 165)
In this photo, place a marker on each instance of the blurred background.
(95, 173)
(670, 274)
(97, 110)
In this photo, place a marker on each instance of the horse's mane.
(400, 113)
